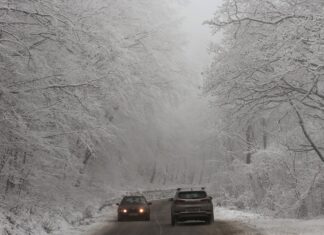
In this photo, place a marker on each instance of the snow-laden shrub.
(88, 212)
(48, 226)
(6, 231)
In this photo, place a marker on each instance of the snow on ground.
(89, 226)
(13, 225)
(107, 216)
(272, 226)
(266, 225)
(46, 221)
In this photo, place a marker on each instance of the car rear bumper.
(123, 216)
(201, 215)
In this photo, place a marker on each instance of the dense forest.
(89, 95)
(266, 81)
(97, 98)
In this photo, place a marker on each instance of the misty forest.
(99, 98)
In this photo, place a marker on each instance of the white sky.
(199, 35)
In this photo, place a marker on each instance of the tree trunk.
(308, 137)
(153, 174)
(264, 130)
(249, 141)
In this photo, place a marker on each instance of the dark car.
(191, 205)
(133, 207)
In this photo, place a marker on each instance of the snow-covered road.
(161, 224)
(227, 220)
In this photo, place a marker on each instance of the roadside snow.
(107, 216)
(272, 226)
(10, 224)
(89, 226)
(266, 225)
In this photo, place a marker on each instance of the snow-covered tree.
(267, 78)
(85, 91)
(271, 61)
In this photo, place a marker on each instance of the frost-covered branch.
(305, 132)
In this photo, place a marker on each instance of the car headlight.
(124, 210)
(141, 210)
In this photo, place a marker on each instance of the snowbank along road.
(160, 224)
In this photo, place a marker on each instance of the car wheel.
(210, 220)
(173, 221)
(147, 217)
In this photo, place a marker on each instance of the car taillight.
(207, 200)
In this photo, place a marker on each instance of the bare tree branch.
(302, 125)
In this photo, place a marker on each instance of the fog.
(198, 35)
(100, 98)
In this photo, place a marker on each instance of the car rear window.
(192, 195)
(133, 200)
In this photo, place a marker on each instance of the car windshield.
(192, 195)
(133, 200)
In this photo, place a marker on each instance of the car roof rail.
(192, 188)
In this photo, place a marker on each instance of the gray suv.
(191, 205)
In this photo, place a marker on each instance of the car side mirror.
(171, 199)
(117, 204)
(149, 203)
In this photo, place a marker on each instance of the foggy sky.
(199, 35)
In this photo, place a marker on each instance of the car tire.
(173, 221)
(147, 218)
(210, 220)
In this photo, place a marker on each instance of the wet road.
(160, 224)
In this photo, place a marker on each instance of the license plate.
(132, 214)
(193, 209)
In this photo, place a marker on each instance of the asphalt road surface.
(160, 224)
